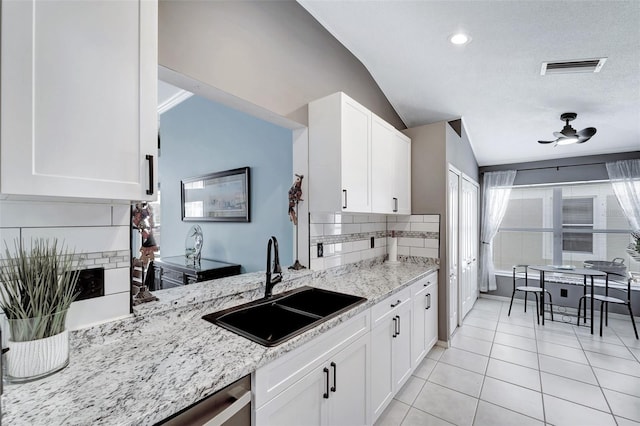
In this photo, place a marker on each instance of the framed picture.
(217, 197)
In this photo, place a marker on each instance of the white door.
(381, 372)
(402, 346)
(402, 173)
(452, 248)
(356, 157)
(302, 401)
(418, 331)
(468, 245)
(431, 318)
(382, 166)
(348, 390)
(78, 100)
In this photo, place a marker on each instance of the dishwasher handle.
(242, 399)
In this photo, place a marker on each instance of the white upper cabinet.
(357, 162)
(79, 99)
(402, 173)
(390, 169)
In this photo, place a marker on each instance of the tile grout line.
(484, 376)
(596, 376)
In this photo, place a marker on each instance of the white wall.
(98, 233)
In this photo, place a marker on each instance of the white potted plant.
(38, 286)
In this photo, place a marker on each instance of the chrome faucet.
(277, 271)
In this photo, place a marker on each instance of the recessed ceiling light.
(460, 38)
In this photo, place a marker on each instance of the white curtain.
(496, 188)
(625, 179)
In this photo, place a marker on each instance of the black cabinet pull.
(335, 369)
(395, 204)
(397, 316)
(393, 305)
(344, 193)
(395, 327)
(326, 376)
(150, 160)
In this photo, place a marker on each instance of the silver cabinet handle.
(344, 196)
(428, 297)
(395, 204)
(393, 305)
(241, 401)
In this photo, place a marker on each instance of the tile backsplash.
(99, 235)
(346, 238)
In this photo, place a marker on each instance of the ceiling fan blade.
(547, 141)
(559, 135)
(586, 134)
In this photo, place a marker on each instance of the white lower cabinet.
(348, 375)
(324, 382)
(333, 393)
(425, 317)
(390, 349)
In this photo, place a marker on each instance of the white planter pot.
(33, 359)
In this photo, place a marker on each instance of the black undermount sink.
(274, 320)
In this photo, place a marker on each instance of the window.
(561, 225)
(577, 225)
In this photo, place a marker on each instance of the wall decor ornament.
(295, 197)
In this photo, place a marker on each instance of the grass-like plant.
(37, 288)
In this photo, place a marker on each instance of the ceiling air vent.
(575, 66)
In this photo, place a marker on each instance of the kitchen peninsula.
(166, 358)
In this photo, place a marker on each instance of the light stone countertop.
(142, 370)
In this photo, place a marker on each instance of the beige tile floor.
(508, 370)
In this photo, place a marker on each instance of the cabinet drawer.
(420, 286)
(277, 376)
(388, 305)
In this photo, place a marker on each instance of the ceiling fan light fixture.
(567, 141)
(459, 39)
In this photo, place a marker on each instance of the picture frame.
(217, 197)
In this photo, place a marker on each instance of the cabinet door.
(355, 157)
(431, 317)
(381, 362)
(402, 347)
(301, 402)
(382, 167)
(348, 395)
(402, 173)
(78, 98)
(418, 327)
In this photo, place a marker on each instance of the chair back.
(520, 272)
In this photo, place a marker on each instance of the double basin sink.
(271, 321)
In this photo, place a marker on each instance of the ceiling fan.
(568, 135)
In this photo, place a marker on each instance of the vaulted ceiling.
(494, 83)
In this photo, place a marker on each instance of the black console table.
(175, 271)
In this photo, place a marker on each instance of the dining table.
(585, 272)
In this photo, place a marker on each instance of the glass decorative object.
(193, 245)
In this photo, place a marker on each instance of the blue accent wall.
(200, 137)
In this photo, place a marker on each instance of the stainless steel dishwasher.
(230, 406)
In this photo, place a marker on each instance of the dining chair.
(605, 299)
(521, 272)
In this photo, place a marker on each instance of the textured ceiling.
(494, 82)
